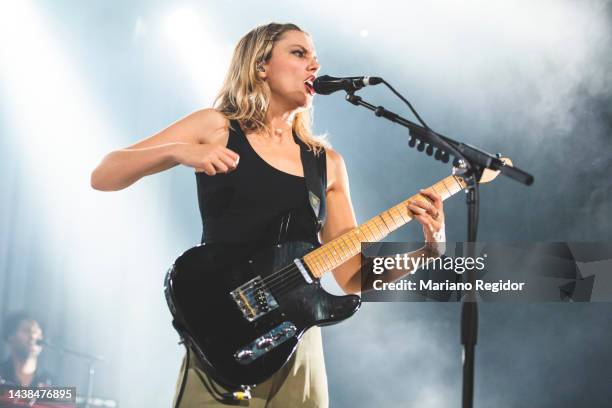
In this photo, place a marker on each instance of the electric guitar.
(244, 311)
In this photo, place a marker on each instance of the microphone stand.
(472, 162)
(91, 361)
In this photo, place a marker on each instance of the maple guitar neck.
(347, 245)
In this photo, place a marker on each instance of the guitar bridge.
(254, 299)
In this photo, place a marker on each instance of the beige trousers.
(302, 382)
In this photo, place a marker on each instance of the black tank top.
(253, 202)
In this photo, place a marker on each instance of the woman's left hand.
(429, 212)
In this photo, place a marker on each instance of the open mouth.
(308, 83)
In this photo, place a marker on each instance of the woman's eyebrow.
(303, 49)
(301, 46)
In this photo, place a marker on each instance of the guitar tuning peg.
(438, 155)
(421, 146)
(412, 141)
(445, 157)
(459, 163)
(429, 150)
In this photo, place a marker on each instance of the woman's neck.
(280, 122)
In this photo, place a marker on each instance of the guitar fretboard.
(347, 245)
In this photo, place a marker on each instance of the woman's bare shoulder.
(336, 169)
(212, 125)
(202, 126)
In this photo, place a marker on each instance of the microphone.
(325, 85)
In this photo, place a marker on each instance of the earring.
(260, 68)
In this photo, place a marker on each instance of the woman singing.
(246, 153)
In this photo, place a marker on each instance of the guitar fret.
(398, 214)
(343, 255)
(375, 231)
(382, 227)
(387, 225)
(337, 259)
(460, 183)
(343, 246)
(446, 193)
(401, 213)
(358, 234)
(324, 260)
(330, 259)
(406, 215)
(381, 233)
(437, 192)
(433, 187)
(384, 223)
(393, 216)
(338, 248)
(327, 259)
(339, 253)
(450, 190)
(347, 243)
(323, 268)
(394, 213)
(368, 234)
(405, 210)
(317, 265)
(353, 238)
(346, 246)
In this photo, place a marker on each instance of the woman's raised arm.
(197, 140)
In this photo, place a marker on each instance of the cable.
(227, 398)
(433, 134)
(414, 112)
(179, 397)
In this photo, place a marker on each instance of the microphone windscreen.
(322, 84)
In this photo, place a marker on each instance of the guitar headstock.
(489, 175)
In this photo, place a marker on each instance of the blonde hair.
(242, 96)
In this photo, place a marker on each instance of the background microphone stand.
(89, 358)
(471, 162)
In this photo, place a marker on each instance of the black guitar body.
(244, 310)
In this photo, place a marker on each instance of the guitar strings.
(341, 254)
(276, 279)
(271, 280)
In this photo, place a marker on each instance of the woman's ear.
(261, 71)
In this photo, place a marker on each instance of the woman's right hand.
(197, 141)
(208, 158)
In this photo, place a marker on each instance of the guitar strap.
(315, 175)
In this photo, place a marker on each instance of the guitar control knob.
(243, 355)
(265, 342)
